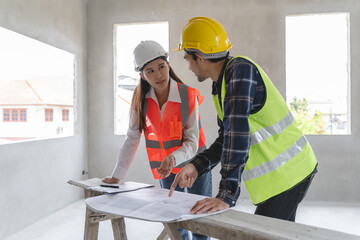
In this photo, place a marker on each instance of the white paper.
(150, 204)
(123, 187)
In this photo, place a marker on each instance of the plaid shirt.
(245, 94)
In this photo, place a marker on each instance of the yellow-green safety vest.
(280, 155)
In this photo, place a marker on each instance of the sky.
(23, 58)
(317, 56)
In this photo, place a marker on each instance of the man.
(258, 140)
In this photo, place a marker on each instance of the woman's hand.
(166, 166)
(110, 180)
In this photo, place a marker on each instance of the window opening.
(33, 76)
(318, 72)
(127, 37)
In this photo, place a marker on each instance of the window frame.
(65, 115)
(49, 115)
(10, 116)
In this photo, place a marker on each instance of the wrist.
(197, 165)
(226, 198)
(172, 157)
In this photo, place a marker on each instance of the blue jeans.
(201, 186)
(284, 205)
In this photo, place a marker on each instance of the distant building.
(37, 108)
(335, 114)
(127, 82)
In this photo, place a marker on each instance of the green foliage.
(308, 124)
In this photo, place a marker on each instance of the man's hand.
(166, 166)
(209, 205)
(110, 180)
(185, 178)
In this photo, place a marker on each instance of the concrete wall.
(34, 175)
(256, 29)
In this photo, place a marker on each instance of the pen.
(110, 186)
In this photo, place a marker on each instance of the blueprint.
(150, 204)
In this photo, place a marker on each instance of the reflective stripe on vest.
(167, 144)
(265, 174)
(275, 129)
(276, 162)
(184, 109)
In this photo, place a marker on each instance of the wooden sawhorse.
(92, 219)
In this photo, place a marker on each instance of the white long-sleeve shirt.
(190, 135)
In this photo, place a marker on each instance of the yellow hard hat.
(205, 35)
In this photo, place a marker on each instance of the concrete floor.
(68, 223)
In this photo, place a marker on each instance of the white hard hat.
(147, 51)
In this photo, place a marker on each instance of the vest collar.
(216, 86)
(174, 95)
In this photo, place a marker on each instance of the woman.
(166, 111)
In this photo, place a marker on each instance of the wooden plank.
(91, 230)
(234, 224)
(99, 217)
(93, 182)
(171, 229)
(163, 235)
(119, 230)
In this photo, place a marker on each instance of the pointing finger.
(173, 185)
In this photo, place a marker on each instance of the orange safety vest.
(164, 137)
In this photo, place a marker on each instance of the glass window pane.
(23, 115)
(6, 115)
(14, 115)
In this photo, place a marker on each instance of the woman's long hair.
(138, 99)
